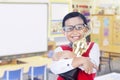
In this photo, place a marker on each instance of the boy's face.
(74, 35)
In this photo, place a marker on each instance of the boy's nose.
(74, 30)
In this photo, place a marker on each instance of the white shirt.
(61, 66)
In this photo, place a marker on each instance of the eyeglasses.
(71, 28)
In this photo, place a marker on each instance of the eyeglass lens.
(70, 28)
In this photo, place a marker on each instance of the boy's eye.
(79, 27)
(68, 29)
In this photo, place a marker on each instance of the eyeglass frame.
(74, 27)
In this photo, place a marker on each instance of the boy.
(64, 60)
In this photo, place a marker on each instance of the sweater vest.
(81, 74)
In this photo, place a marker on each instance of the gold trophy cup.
(80, 46)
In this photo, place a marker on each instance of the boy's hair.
(74, 14)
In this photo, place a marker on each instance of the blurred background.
(38, 33)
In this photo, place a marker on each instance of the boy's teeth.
(75, 37)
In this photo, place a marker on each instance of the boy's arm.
(58, 65)
(61, 65)
(64, 65)
(63, 55)
(64, 61)
(94, 58)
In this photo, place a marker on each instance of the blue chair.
(36, 71)
(16, 74)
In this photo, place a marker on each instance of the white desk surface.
(110, 76)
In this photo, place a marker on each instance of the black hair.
(74, 14)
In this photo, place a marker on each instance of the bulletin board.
(116, 31)
(96, 29)
(105, 32)
(23, 28)
(58, 11)
(102, 30)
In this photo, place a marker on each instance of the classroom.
(31, 30)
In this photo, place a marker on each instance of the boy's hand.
(67, 55)
(63, 55)
(56, 56)
(88, 67)
(85, 63)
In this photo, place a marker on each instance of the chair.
(16, 74)
(104, 61)
(36, 71)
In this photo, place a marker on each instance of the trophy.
(80, 46)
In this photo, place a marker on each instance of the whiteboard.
(23, 28)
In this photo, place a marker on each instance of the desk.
(110, 76)
(29, 61)
(36, 61)
(111, 49)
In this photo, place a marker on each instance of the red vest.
(81, 75)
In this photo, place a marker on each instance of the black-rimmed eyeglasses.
(76, 27)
